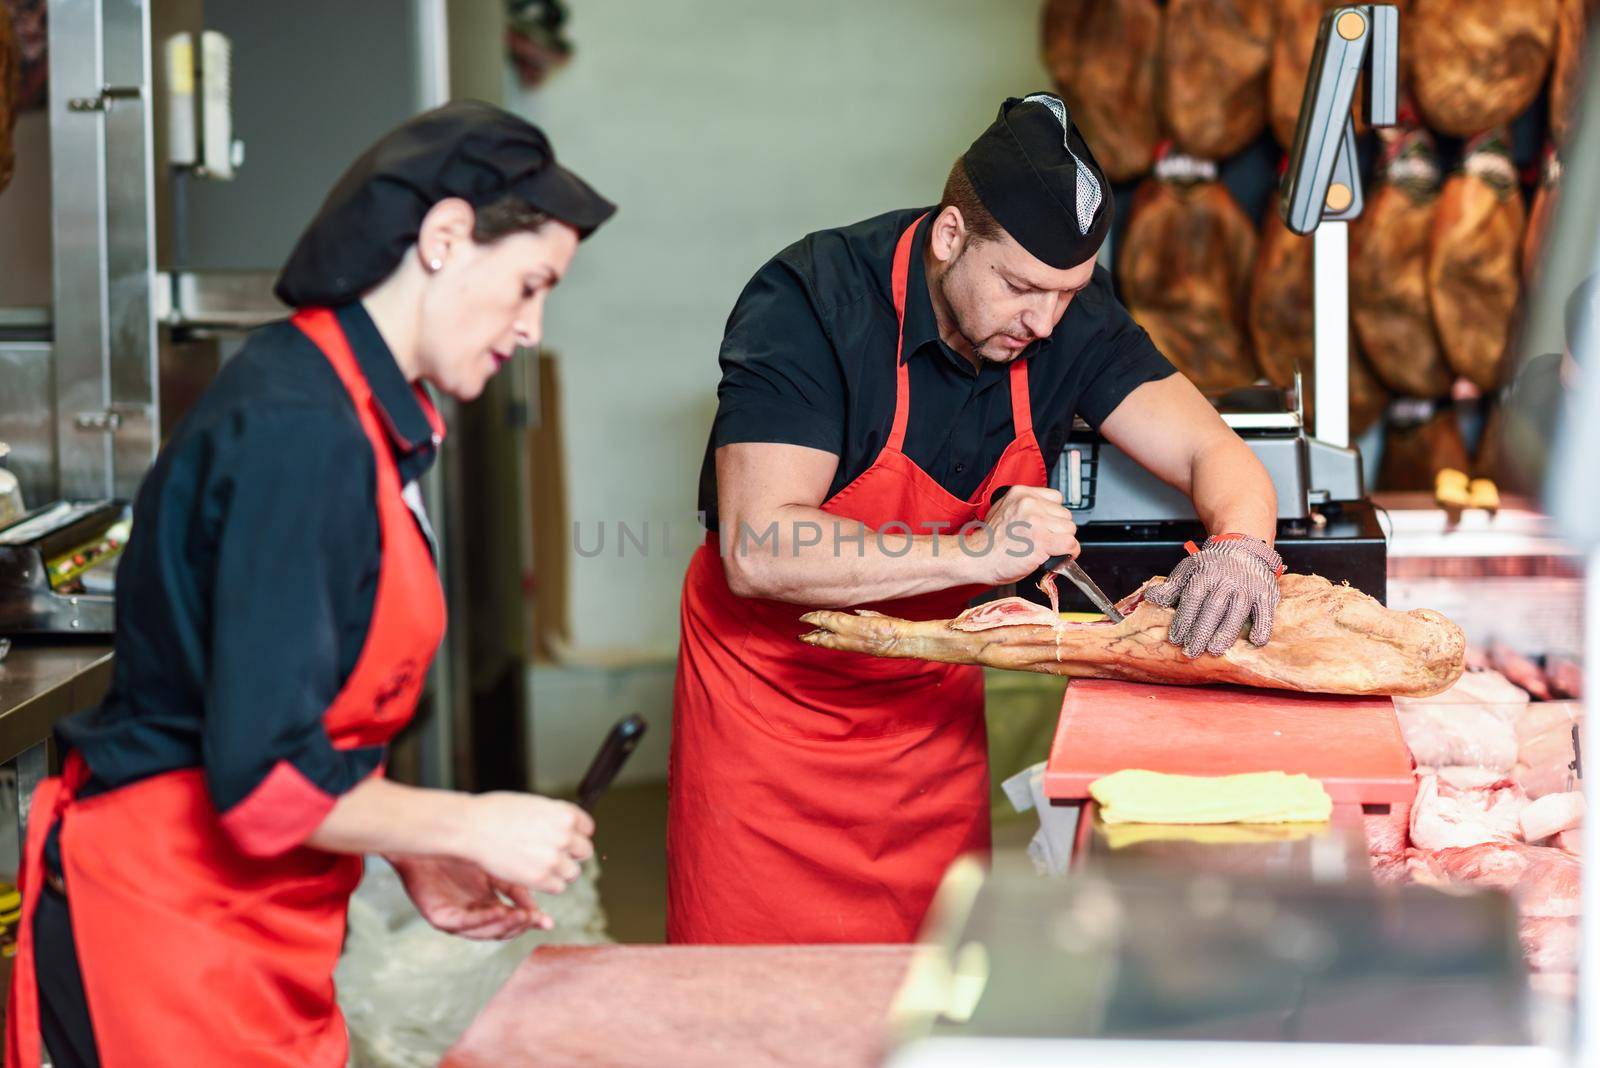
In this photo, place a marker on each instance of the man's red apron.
(191, 951)
(819, 796)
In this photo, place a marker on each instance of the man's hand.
(1218, 589)
(460, 898)
(1027, 527)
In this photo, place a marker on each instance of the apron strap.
(900, 271)
(1021, 404)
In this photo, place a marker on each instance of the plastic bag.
(408, 991)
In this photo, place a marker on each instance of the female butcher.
(185, 878)
(881, 384)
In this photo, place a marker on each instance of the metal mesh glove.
(1217, 589)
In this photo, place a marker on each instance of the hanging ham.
(10, 93)
(1419, 445)
(1474, 261)
(1102, 55)
(1540, 213)
(1388, 269)
(1184, 272)
(1215, 56)
(1326, 638)
(1282, 323)
(1477, 64)
(1566, 72)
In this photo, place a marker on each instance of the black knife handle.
(620, 743)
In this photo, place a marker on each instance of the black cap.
(466, 149)
(1037, 177)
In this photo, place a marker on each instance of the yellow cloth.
(1124, 835)
(1135, 796)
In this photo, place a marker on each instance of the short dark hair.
(508, 215)
(960, 194)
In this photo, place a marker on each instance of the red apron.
(191, 951)
(819, 796)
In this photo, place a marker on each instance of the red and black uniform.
(278, 607)
(819, 796)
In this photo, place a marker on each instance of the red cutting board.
(1352, 745)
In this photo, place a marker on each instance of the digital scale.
(58, 568)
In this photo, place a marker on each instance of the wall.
(727, 129)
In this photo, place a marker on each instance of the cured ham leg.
(1326, 639)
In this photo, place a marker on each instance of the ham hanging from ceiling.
(1478, 64)
(1420, 444)
(1102, 55)
(1282, 325)
(10, 93)
(1389, 245)
(1474, 261)
(1566, 70)
(1326, 638)
(1184, 272)
(1215, 56)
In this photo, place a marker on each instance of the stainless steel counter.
(39, 684)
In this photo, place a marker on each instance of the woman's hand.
(460, 898)
(528, 840)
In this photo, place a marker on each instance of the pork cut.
(1282, 325)
(1476, 64)
(1103, 56)
(1544, 880)
(1326, 638)
(1566, 69)
(1474, 259)
(1449, 735)
(1389, 245)
(1215, 56)
(1415, 451)
(1551, 814)
(1184, 273)
(10, 93)
(1444, 818)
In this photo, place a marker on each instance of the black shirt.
(246, 588)
(808, 359)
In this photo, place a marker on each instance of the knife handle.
(613, 753)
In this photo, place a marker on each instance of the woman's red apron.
(819, 796)
(191, 951)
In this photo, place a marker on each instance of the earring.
(434, 265)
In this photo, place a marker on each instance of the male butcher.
(880, 382)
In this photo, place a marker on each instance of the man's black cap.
(1037, 177)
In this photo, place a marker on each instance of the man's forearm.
(808, 556)
(1232, 492)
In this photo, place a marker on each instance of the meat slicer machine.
(1131, 524)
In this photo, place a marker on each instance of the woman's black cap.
(466, 149)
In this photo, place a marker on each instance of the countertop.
(710, 1006)
(40, 682)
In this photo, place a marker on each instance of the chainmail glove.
(1217, 589)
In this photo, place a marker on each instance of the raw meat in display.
(10, 93)
(1102, 55)
(1565, 677)
(1474, 259)
(1519, 670)
(1282, 326)
(1184, 272)
(1325, 639)
(1446, 735)
(1545, 881)
(1477, 64)
(1213, 80)
(1442, 818)
(1551, 814)
(1414, 452)
(1566, 72)
(1389, 245)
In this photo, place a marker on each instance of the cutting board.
(1352, 745)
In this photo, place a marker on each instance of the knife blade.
(1066, 565)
